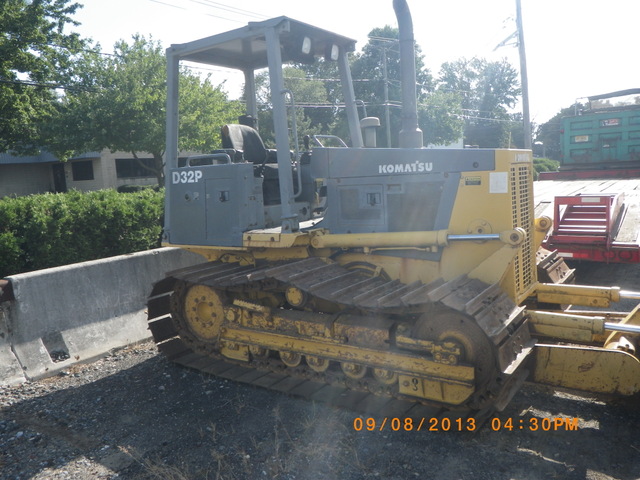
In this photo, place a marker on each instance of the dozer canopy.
(246, 48)
(271, 43)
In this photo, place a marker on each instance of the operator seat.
(245, 139)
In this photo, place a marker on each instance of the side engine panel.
(213, 204)
(385, 190)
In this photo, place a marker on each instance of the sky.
(574, 48)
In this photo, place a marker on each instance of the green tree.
(318, 95)
(122, 106)
(440, 118)
(516, 130)
(487, 90)
(36, 55)
(310, 97)
(372, 79)
(548, 133)
(327, 116)
(315, 94)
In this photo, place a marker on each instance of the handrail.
(225, 157)
(294, 127)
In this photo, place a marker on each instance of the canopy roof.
(246, 49)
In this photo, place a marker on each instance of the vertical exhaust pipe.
(410, 135)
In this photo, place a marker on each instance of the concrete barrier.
(10, 369)
(64, 315)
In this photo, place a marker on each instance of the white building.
(90, 171)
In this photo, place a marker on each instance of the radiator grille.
(522, 208)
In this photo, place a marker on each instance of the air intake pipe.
(410, 135)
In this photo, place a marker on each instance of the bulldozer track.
(336, 394)
(334, 283)
(331, 282)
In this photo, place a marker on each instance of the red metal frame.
(584, 227)
(618, 253)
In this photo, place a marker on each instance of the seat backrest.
(245, 139)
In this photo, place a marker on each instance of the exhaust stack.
(410, 135)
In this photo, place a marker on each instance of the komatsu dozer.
(406, 273)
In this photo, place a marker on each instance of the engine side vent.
(522, 203)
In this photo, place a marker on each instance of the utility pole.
(523, 78)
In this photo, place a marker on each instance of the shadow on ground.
(158, 420)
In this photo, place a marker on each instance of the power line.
(315, 79)
(186, 9)
(167, 4)
(53, 86)
(497, 120)
(208, 69)
(216, 6)
(229, 8)
(216, 16)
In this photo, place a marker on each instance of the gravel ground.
(133, 415)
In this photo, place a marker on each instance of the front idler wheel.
(199, 312)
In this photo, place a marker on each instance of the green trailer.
(605, 136)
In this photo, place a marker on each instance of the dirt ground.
(133, 415)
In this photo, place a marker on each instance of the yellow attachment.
(492, 269)
(436, 238)
(450, 392)
(274, 239)
(632, 319)
(577, 295)
(541, 226)
(514, 237)
(392, 239)
(458, 378)
(590, 369)
(288, 333)
(563, 326)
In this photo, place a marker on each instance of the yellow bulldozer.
(406, 273)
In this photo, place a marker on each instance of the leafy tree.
(35, 55)
(368, 70)
(310, 97)
(440, 118)
(123, 106)
(487, 90)
(516, 130)
(204, 108)
(327, 116)
(439, 113)
(548, 133)
(314, 95)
